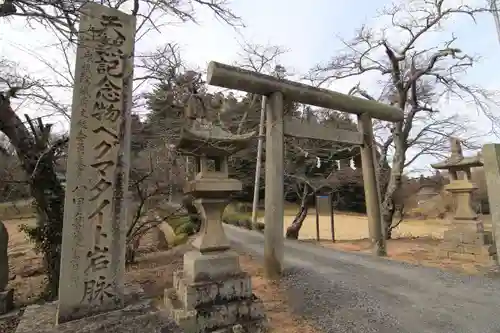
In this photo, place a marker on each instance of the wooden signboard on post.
(324, 207)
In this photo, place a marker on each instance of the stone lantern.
(210, 145)
(466, 238)
(211, 280)
(460, 186)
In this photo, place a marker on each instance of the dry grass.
(415, 241)
(355, 226)
(351, 227)
(21, 209)
(25, 265)
(153, 272)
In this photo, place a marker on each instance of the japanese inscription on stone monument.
(93, 250)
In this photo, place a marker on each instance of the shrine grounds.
(153, 271)
(415, 242)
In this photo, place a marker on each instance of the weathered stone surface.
(141, 317)
(206, 318)
(467, 251)
(462, 193)
(491, 160)
(459, 236)
(215, 184)
(468, 243)
(95, 209)
(193, 295)
(467, 238)
(371, 187)
(274, 196)
(211, 293)
(254, 326)
(211, 236)
(210, 266)
(461, 256)
(4, 257)
(320, 131)
(486, 250)
(231, 77)
(460, 186)
(220, 300)
(6, 300)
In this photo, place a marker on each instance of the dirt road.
(349, 292)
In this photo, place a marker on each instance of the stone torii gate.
(277, 126)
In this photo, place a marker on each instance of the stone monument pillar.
(92, 293)
(466, 239)
(93, 244)
(212, 293)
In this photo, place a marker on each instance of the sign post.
(324, 207)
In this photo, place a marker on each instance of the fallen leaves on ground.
(419, 251)
(278, 311)
(153, 271)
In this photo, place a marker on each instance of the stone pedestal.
(468, 241)
(139, 315)
(461, 190)
(6, 301)
(467, 238)
(211, 265)
(216, 303)
(211, 293)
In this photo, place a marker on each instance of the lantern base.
(210, 266)
(212, 294)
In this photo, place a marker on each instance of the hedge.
(242, 220)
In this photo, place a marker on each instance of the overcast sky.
(310, 32)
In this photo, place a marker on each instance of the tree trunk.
(394, 183)
(38, 162)
(292, 232)
(131, 250)
(4, 257)
(49, 198)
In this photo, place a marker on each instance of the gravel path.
(350, 292)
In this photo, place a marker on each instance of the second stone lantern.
(212, 292)
(466, 238)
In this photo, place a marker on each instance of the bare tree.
(37, 156)
(61, 16)
(414, 78)
(60, 19)
(31, 138)
(259, 59)
(151, 207)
